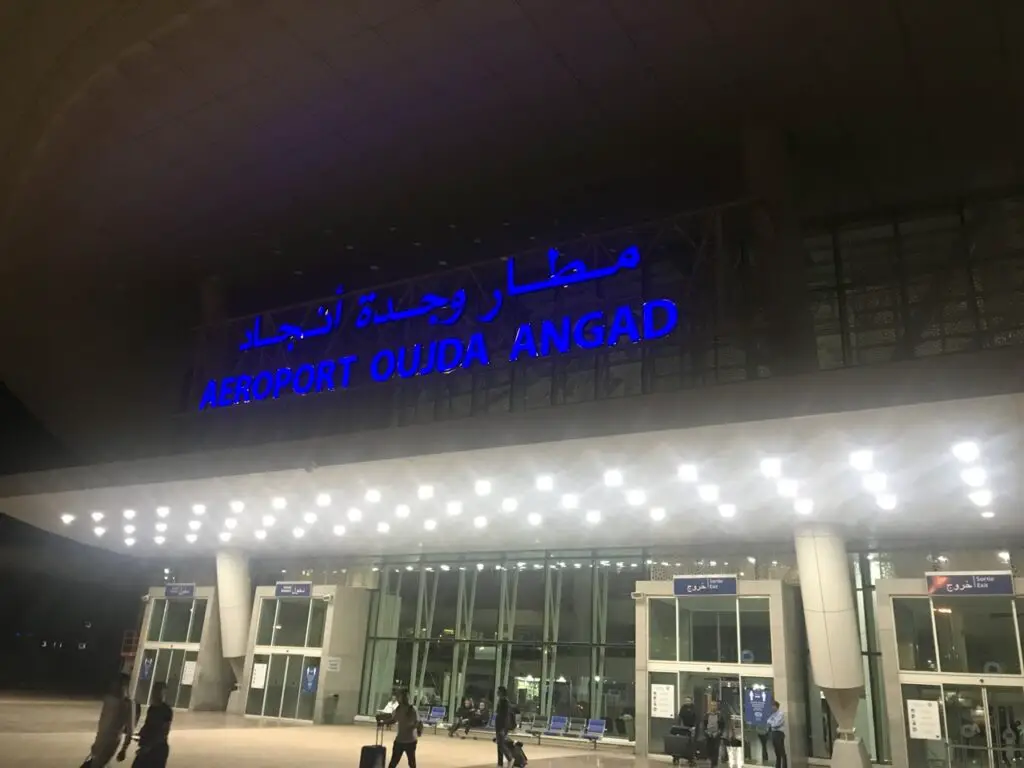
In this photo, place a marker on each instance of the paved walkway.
(52, 734)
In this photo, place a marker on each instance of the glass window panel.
(173, 679)
(966, 727)
(317, 617)
(524, 680)
(707, 629)
(755, 630)
(254, 698)
(292, 686)
(156, 618)
(292, 619)
(976, 634)
(616, 693)
(185, 691)
(570, 674)
(529, 626)
(163, 664)
(308, 688)
(275, 685)
(265, 628)
(176, 620)
(576, 606)
(661, 633)
(915, 640)
(195, 632)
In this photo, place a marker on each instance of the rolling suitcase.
(517, 754)
(374, 755)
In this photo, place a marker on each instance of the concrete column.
(234, 596)
(833, 638)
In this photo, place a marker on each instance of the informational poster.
(147, 667)
(333, 664)
(757, 705)
(188, 673)
(663, 701)
(924, 719)
(259, 675)
(310, 675)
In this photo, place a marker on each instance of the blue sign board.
(625, 324)
(969, 584)
(688, 586)
(310, 675)
(757, 705)
(293, 589)
(179, 590)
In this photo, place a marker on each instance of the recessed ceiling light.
(298, 533)
(383, 527)
(260, 534)
(224, 536)
(163, 511)
(323, 500)
(402, 511)
(613, 478)
(509, 505)
(278, 503)
(129, 542)
(804, 506)
(862, 460)
(688, 473)
(482, 487)
(708, 493)
(372, 496)
(309, 518)
(787, 487)
(129, 529)
(454, 508)
(974, 476)
(981, 497)
(967, 451)
(480, 522)
(534, 518)
(545, 482)
(886, 501)
(727, 510)
(230, 523)
(96, 516)
(339, 530)
(875, 482)
(199, 509)
(191, 538)
(268, 521)
(429, 525)
(99, 530)
(158, 540)
(771, 468)
(194, 525)
(161, 527)
(658, 514)
(1004, 555)
(129, 514)
(988, 514)
(237, 506)
(593, 516)
(425, 492)
(570, 501)
(636, 497)
(67, 519)
(355, 514)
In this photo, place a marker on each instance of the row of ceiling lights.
(974, 476)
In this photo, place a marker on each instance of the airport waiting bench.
(432, 717)
(563, 728)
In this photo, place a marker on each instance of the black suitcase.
(517, 754)
(682, 747)
(374, 755)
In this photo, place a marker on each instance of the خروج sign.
(625, 324)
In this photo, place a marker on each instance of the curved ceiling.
(148, 145)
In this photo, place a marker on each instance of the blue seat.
(435, 716)
(594, 731)
(557, 725)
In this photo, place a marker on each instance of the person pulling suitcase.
(408, 730)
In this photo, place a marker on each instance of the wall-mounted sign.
(625, 324)
(924, 720)
(259, 676)
(310, 675)
(333, 663)
(690, 586)
(293, 589)
(663, 701)
(147, 667)
(757, 700)
(188, 672)
(969, 584)
(179, 590)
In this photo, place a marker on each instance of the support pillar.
(234, 598)
(833, 637)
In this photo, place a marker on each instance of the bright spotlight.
(886, 501)
(974, 476)
(875, 482)
(323, 500)
(981, 497)
(593, 516)
(803, 506)
(613, 478)
(658, 514)
(967, 451)
(636, 497)
(771, 468)
(688, 473)
(727, 510)
(708, 493)
(237, 506)
(545, 482)
(862, 460)
(570, 501)
(482, 487)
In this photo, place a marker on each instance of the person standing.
(777, 732)
(153, 746)
(115, 722)
(409, 728)
(714, 728)
(502, 725)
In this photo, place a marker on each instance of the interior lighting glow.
(278, 503)
(323, 500)
(224, 536)
(981, 497)
(383, 527)
(886, 501)
(129, 514)
(355, 515)
(425, 492)
(509, 505)
(99, 530)
(570, 501)
(194, 525)
(309, 518)
(129, 542)
(268, 521)
(482, 487)
(727, 510)
(96, 516)
(163, 511)
(613, 478)
(593, 516)
(260, 534)
(708, 493)
(862, 460)
(787, 488)
(129, 529)
(771, 468)
(687, 473)
(237, 506)
(988, 514)
(161, 527)
(158, 540)
(875, 483)
(803, 506)
(402, 511)
(372, 496)
(67, 519)
(231, 523)
(454, 508)
(199, 509)
(534, 519)
(429, 525)
(298, 533)
(339, 530)
(967, 451)
(191, 538)
(545, 483)
(636, 497)
(658, 514)
(975, 477)
(480, 522)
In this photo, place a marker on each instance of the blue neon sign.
(593, 330)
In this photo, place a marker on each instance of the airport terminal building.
(610, 475)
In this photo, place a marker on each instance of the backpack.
(711, 729)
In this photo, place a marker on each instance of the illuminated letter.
(304, 379)
(523, 343)
(671, 313)
(262, 385)
(580, 335)
(346, 369)
(409, 361)
(209, 398)
(228, 391)
(325, 375)
(244, 389)
(556, 335)
(449, 355)
(623, 324)
(476, 351)
(382, 367)
(282, 378)
(430, 361)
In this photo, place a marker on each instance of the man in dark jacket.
(153, 748)
(714, 729)
(503, 722)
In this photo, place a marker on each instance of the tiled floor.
(48, 734)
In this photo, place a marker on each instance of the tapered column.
(833, 636)
(234, 596)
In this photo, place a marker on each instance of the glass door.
(983, 725)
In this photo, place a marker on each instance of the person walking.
(153, 746)
(714, 728)
(777, 732)
(503, 723)
(115, 722)
(408, 730)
